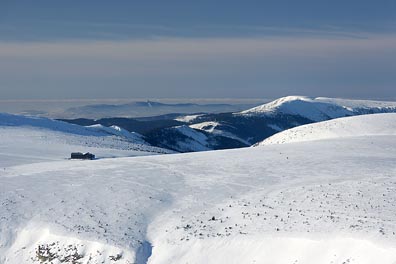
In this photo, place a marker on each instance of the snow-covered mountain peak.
(288, 99)
(278, 103)
(300, 105)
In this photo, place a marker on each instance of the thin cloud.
(198, 48)
(201, 66)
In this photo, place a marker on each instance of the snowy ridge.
(45, 123)
(303, 106)
(9, 120)
(321, 108)
(364, 125)
(30, 140)
(370, 106)
(118, 131)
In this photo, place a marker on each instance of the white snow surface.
(325, 201)
(303, 106)
(187, 118)
(320, 108)
(209, 126)
(357, 104)
(31, 139)
(364, 125)
(10, 120)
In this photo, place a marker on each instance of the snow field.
(325, 201)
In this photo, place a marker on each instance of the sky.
(197, 49)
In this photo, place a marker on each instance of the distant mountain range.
(199, 132)
(146, 109)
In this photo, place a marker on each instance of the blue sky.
(189, 49)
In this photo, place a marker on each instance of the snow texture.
(30, 139)
(364, 125)
(319, 109)
(331, 200)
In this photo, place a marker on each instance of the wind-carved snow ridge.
(36, 244)
(39, 245)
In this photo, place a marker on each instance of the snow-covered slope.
(323, 201)
(364, 125)
(361, 106)
(118, 131)
(218, 129)
(303, 106)
(10, 120)
(31, 139)
(193, 140)
(321, 108)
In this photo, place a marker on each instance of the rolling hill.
(364, 125)
(34, 139)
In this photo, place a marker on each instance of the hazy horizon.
(56, 108)
(185, 49)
